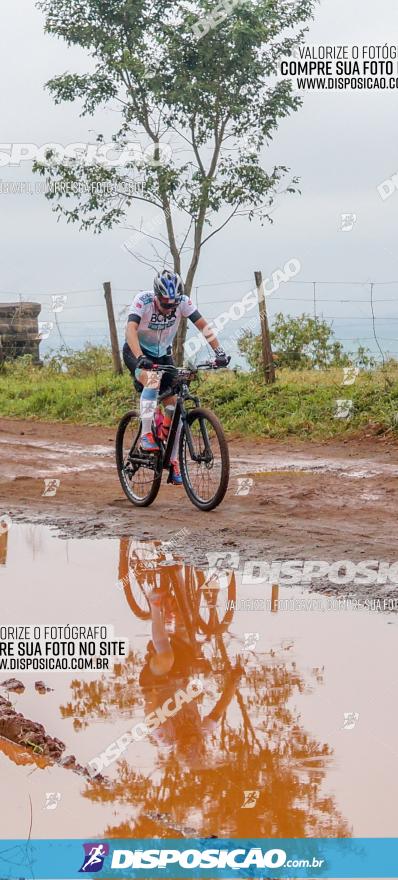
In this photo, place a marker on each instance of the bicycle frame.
(183, 394)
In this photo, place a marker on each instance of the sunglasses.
(167, 305)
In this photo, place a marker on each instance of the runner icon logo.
(52, 799)
(251, 798)
(350, 720)
(251, 640)
(94, 856)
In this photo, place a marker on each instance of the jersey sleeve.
(137, 307)
(188, 310)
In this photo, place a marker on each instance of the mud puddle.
(34, 459)
(294, 725)
(360, 469)
(40, 458)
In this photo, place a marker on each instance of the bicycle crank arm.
(149, 461)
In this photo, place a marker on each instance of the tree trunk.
(178, 344)
(178, 347)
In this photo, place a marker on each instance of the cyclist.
(153, 321)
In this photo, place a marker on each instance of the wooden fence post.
(117, 363)
(268, 361)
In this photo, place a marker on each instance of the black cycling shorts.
(131, 363)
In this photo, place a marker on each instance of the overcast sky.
(342, 145)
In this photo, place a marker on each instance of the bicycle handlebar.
(158, 368)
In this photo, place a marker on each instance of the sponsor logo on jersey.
(146, 298)
(161, 322)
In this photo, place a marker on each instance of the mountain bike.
(203, 451)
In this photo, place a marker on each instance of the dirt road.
(307, 501)
(297, 714)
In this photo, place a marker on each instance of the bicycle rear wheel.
(140, 473)
(205, 472)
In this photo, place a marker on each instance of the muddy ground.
(293, 708)
(334, 500)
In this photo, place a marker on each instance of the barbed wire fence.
(70, 319)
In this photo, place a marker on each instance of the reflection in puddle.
(60, 457)
(237, 749)
(261, 752)
(296, 465)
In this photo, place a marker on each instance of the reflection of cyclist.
(169, 662)
(189, 729)
(170, 650)
(153, 322)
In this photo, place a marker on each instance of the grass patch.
(300, 404)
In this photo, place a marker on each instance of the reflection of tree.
(248, 739)
(261, 747)
(101, 698)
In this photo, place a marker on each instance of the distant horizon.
(78, 327)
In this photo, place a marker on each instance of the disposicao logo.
(94, 856)
(176, 862)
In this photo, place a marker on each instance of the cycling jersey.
(157, 330)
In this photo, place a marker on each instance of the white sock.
(147, 408)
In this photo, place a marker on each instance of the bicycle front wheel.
(211, 603)
(139, 573)
(204, 459)
(140, 473)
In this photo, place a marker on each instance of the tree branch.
(204, 202)
(220, 227)
(141, 259)
(186, 236)
(196, 150)
(148, 234)
(161, 260)
(142, 199)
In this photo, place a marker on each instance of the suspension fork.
(207, 455)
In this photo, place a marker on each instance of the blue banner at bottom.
(229, 858)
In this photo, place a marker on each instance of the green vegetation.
(302, 343)
(205, 104)
(300, 404)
